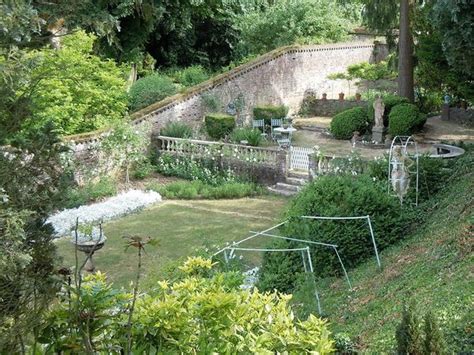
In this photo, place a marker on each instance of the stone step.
(298, 174)
(296, 181)
(282, 192)
(285, 186)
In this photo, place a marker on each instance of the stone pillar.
(282, 163)
(312, 166)
(445, 112)
(377, 134)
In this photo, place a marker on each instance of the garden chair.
(275, 123)
(260, 124)
(284, 142)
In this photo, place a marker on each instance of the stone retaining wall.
(278, 77)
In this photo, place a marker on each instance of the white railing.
(204, 149)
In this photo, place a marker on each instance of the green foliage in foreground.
(203, 311)
(189, 190)
(345, 123)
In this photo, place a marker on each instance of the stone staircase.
(294, 182)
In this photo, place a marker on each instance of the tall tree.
(383, 16)
(405, 54)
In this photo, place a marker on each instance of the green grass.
(180, 227)
(432, 267)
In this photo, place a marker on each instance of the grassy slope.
(181, 228)
(433, 267)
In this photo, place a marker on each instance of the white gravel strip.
(124, 203)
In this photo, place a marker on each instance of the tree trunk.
(405, 54)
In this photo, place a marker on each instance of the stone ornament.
(400, 175)
(379, 108)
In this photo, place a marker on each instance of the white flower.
(116, 206)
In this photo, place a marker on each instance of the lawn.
(181, 229)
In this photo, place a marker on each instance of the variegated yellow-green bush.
(196, 314)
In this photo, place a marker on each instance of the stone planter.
(88, 245)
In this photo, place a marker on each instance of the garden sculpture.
(379, 108)
(400, 177)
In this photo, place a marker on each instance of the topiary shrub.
(389, 101)
(268, 112)
(177, 130)
(345, 123)
(218, 125)
(405, 119)
(149, 90)
(251, 135)
(343, 195)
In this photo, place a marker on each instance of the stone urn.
(89, 243)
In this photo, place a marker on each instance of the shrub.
(186, 168)
(408, 335)
(192, 75)
(74, 88)
(251, 135)
(142, 169)
(203, 312)
(149, 90)
(188, 190)
(90, 192)
(268, 112)
(337, 196)
(389, 101)
(218, 125)
(405, 119)
(177, 130)
(345, 123)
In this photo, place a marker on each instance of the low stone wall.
(312, 106)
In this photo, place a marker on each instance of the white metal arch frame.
(403, 142)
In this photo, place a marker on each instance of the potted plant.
(88, 239)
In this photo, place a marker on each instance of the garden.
(207, 177)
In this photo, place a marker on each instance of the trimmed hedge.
(268, 112)
(405, 119)
(344, 195)
(150, 89)
(218, 125)
(389, 101)
(345, 123)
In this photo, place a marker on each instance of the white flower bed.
(63, 222)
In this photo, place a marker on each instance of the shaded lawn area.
(181, 229)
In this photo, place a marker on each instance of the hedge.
(405, 119)
(150, 89)
(268, 112)
(345, 123)
(344, 195)
(218, 125)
